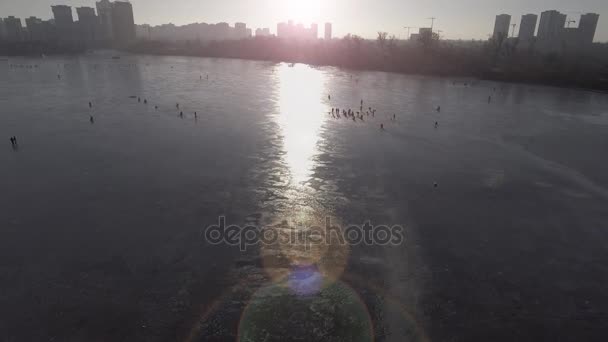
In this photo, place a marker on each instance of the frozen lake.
(102, 208)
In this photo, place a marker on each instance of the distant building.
(314, 31)
(123, 23)
(281, 30)
(240, 30)
(87, 24)
(501, 26)
(262, 32)
(222, 31)
(106, 27)
(552, 37)
(527, 27)
(13, 29)
(328, 32)
(63, 16)
(35, 29)
(551, 25)
(143, 32)
(569, 40)
(2, 30)
(64, 23)
(425, 33)
(2, 34)
(290, 31)
(587, 26)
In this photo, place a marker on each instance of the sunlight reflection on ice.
(301, 115)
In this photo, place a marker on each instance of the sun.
(303, 11)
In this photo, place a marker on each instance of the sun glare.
(302, 11)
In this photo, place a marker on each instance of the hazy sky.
(464, 19)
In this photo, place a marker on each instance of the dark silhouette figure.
(195, 115)
(91, 119)
(145, 101)
(329, 97)
(382, 126)
(90, 105)
(155, 107)
(14, 144)
(177, 105)
(489, 98)
(181, 114)
(138, 99)
(438, 109)
(436, 124)
(435, 184)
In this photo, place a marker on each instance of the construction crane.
(432, 22)
(408, 30)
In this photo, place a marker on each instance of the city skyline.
(364, 19)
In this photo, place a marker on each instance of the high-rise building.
(328, 31)
(35, 29)
(143, 32)
(587, 26)
(63, 16)
(501, 26)
(2, 30)
(297, 31)
(262, 32)
(314, 31)
(87, 24)
(221, 31)
(123, 23)
(240, 30)
(551, 25)
(104, 13)
(86, 14)
(527, 27)
(64, 22)
(281, 29)
(13, 29)
(425, 33)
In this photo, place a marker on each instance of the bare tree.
(382, 39)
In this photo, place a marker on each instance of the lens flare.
(336, 313)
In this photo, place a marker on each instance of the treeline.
(490, 60)
(349, 52)
(505, 60)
